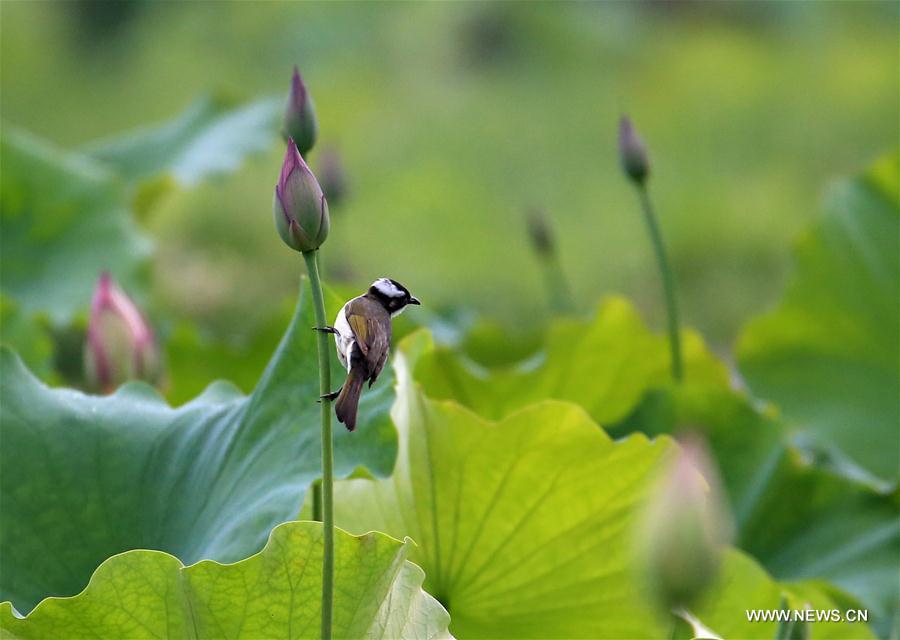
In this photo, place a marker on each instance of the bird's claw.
(325, 329)
(329, 396)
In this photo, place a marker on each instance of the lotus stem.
(558, 291)
(668, 281)
(312, 267)
(317, 501)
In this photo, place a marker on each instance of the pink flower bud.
(301, 211)
(120, 345)
(632, 152)
(686, 525)
(300, 121)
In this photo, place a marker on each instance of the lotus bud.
(540, 233)
(301, 211)
(332, 176)
(685, 528)
(120, 345)
(632, 152)
(300, 116)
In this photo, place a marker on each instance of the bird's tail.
(347, 403)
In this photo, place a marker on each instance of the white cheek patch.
(388, 289)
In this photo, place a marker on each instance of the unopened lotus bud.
(120, 345)
(632, 152)
(685, 528)
(300, 116)
(540, 233)
(332, 176)
(301, 211)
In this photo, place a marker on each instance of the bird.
(362, 335)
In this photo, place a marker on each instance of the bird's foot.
(330, 396)
(325, 329)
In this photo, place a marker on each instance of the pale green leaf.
(605, 365)
(213, 136)
(524, 526)
(273, 594)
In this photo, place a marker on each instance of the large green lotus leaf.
(524, 526)
(54, 206)
(605, 365)
(86, 477)
(828, 354)
(799, 516)
(273, 594)
(743, 585)
(212, 137)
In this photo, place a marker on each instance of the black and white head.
(393, 295)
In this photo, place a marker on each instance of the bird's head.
(392, 295)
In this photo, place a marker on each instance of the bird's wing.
(378, 367)
(371, 326)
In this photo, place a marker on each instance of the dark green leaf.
(800, 519)
(55, 206)
(744, 586)
(86, 477)
(828, 355)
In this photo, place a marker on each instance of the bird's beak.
(414, 300)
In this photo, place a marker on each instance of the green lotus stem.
(317, 486)
(673, 629)
(543, 243)
(312, 267)
(668, 281)
(317, 501)
(558, 290)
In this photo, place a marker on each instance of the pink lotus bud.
(301, 211)
(120, 344)
(300, 121)
(632, 152)
(685, 527)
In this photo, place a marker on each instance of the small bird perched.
(362, 333)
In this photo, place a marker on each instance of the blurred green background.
(452, 118)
